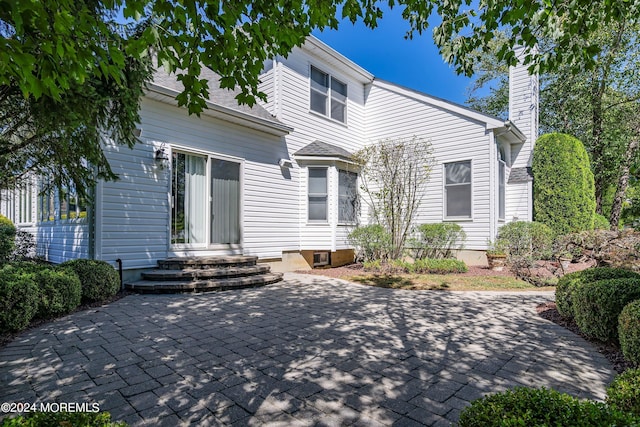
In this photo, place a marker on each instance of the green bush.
(19, 298)
(98, 278)
(526, 239)
(437, 240)
(371, 241)
(600, 222)
(624, 392)
(60, 291)
(7, 238)
(597, 305)
(55, 419)
(563, 185)
(419, 266)
(567, 284)
(439, 266)
(629, 332)
(541, 407)
(375, 265)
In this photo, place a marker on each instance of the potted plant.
(496, 256)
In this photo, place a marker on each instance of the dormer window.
(328, 95)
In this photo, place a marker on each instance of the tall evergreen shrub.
(7, 238)
(563, 184)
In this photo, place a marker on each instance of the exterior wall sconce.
(161, 157)
(284, 163)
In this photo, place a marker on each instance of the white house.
(272, 181)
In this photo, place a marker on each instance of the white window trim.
(209, 155)
(444, 193)
(330, 78)
(326, 195)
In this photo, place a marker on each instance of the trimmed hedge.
(373, 242)
(7, 238)
(98, 278)
(563, 184)
(19, 297)
(60, 291)
(624, 392)
(568, 283)
(597, 305)
(523, 238)
(438, 266)
(541, 407)
(438, 240)
(54, 419)
(629, 332)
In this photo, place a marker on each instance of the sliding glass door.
(205, 201)
(225, 202)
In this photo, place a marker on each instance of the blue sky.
(385, 53)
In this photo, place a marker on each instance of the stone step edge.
(205, 273)
(207, 262)
(148, 286)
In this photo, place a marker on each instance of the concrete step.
(205, 273)
(183, 286)
(180, 263)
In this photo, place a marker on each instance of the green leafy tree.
(57, 132)
(563, 189)
(598, 105)
(52, 51)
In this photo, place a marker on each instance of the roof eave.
(312, 43)
(307, 158)
(225, 113)
(510, 132)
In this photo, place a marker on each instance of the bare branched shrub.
(394, 175)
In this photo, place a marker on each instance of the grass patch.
(446, 282)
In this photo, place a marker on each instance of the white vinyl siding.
(294, 109)
(135, 211)
(454, 137)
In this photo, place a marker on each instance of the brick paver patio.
(306, 351)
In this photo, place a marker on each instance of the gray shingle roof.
(322, 149)
(519, 175)
(222, 97)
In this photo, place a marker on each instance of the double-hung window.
(457, 189)
(347, 196)
(328, 95)
(317, 194)
(502, 166)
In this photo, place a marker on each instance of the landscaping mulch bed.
(610, 351)
(354, 269)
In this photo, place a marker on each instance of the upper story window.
(317, 194)
(457, 189)
(347, 196)
(328, 95)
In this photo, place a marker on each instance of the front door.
(205, 201)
